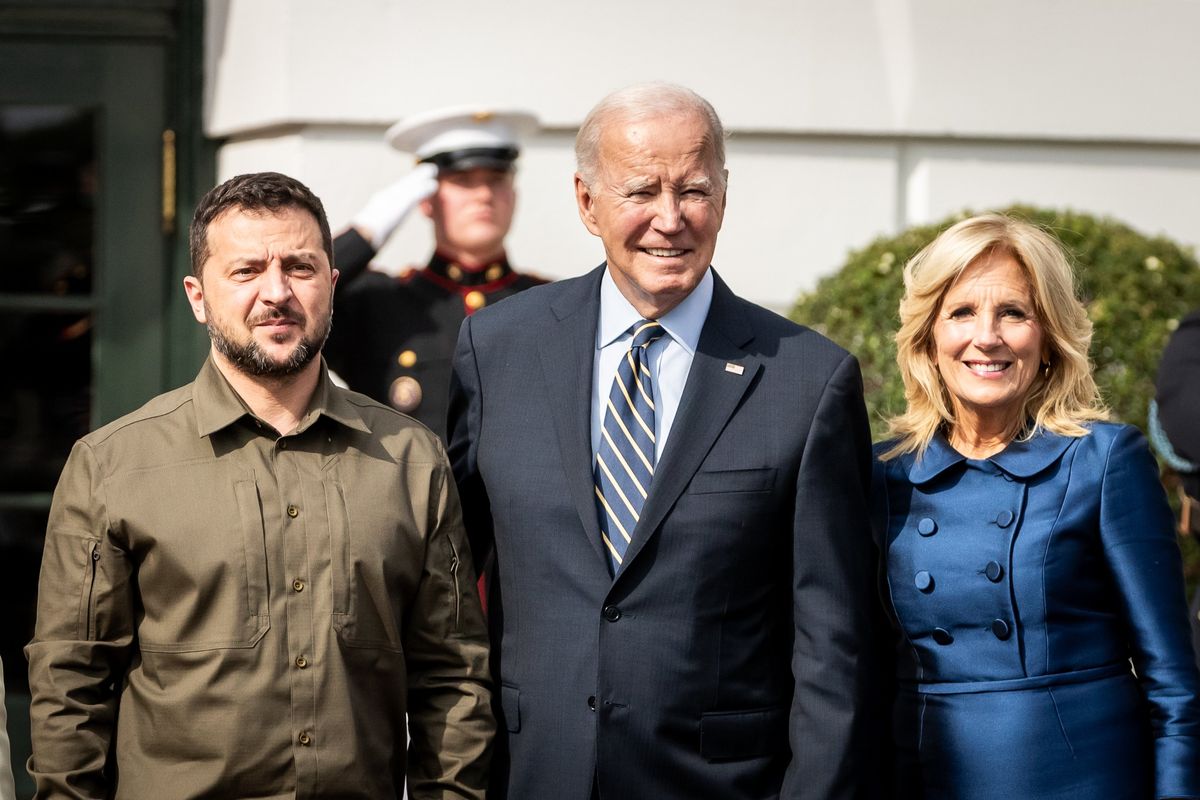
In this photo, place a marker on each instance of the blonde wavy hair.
(1062, 397)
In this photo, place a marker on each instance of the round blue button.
(942, 636)
(1004, 518)
(927, 527)
(994, 571)
(1000, 629)
(924, 581)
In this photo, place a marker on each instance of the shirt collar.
(218, 405)
(1021, 459)
(683, 322)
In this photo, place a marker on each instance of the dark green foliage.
(1135, 288)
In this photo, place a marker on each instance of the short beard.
(251, 359)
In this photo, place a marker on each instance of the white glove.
(388, 207)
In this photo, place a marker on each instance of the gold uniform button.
(475, 300)
(304, 738)
(405, 394)
(455, 273)
(293, 512)
(407, 359)
(494, 273)
(301, 662)
(298, 585)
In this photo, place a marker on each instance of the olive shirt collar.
(1020, 459)
(218, 405)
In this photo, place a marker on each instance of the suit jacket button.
(592, 702)
(612, 613)
(924, 581)
(1004, 518)
(942, 636)
(1000, 629)
(994, 571)
(927, 527)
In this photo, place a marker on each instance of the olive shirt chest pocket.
(375, 555)
(196, 534)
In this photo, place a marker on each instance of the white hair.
(642, 101)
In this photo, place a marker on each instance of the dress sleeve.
(351, 254)
(83, 638)
(1137, 531)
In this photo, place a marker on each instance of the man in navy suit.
(673, 482)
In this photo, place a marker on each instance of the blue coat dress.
(1043, 647)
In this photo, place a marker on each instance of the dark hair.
(257, 191)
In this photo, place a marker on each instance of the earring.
(1046, 369)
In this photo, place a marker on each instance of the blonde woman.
(1029, 548)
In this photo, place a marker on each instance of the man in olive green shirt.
(251, 581)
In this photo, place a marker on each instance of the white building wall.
(847, 120)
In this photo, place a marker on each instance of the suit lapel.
(567, 352)
(710, 396)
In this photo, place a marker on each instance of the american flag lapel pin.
(736, 369)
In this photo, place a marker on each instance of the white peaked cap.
(447, 131)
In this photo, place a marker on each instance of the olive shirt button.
(304, 738)
(942, 636)
(994, 571)
(1004, 518)
(1000, 629)
(923, 581)
(298, 585)
(293, 512)
(927, 527)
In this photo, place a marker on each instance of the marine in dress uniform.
(393, 336)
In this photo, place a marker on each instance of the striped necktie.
(625, 458)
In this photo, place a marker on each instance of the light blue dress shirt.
(670, 356)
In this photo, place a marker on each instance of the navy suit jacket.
(731, 656)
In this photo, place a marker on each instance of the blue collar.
(1021, 459)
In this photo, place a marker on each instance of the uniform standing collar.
(457, 274)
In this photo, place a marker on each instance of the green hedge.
(1135, 287)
